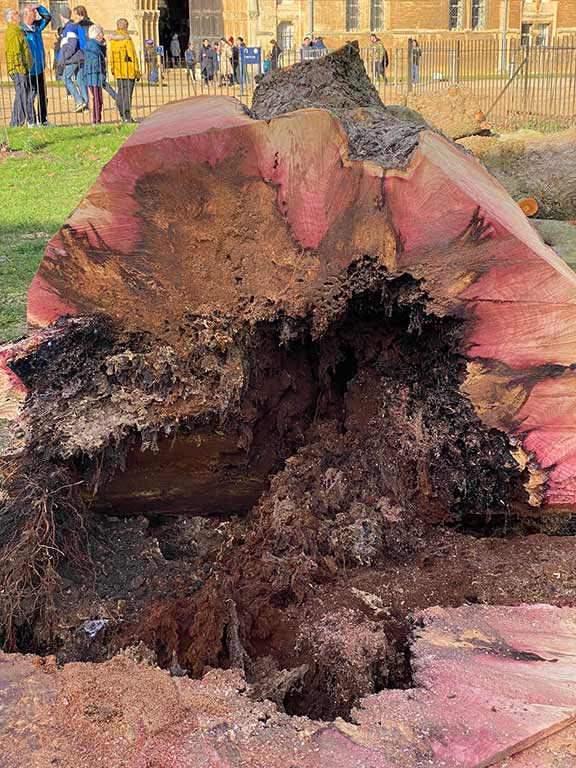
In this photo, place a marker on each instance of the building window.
(376, 15)
(525, 34)
(352, 15)
(455, 12)
(286, 35)
(543, 34)
(478, 14)
(55, 8)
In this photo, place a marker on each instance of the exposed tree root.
(42, 525)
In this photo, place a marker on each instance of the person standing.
(95, 69)
(151, 62)
(241, 61)
(175, 51)
(207, 61)
(379, 57)
(32, 28)
(58, 66)
(306, 50)
(83, 24)
(190, 59)
(224, 62)
(414, 55)
(125, 68)
(19, 60)
(319, 48)
(275, 53)
(71, 57)
(235, 60)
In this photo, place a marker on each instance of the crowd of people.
(83, 58)
(220, 61)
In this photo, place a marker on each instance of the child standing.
(95, 69)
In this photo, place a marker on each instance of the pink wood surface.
(491, 682)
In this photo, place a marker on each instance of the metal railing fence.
(520, 85)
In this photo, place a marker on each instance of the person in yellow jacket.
(125, 68)
(19, 61)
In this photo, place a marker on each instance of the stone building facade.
(335, 20)
(340, 20)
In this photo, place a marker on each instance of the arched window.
(352, 15)
(376, 15)
(455, 14)
(286, 35)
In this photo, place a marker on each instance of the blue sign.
(159, 50)
(251, 55)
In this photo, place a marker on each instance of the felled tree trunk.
(212, 221)
(237, 285)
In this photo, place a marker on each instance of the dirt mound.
(454, 110)
(487, 683)
(535, 165)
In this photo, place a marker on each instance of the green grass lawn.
(42, 178)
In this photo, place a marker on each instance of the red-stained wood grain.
(491, 682)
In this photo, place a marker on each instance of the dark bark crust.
(338, 82)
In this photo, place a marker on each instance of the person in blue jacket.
(95, 69)
(72, 59)
(83, 24)
(319, 48)
(35, 18)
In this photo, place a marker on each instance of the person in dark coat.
(379, 58)
(415, 54)
(275, 52)
(95, 69)
(235, 59)
(207, 61)
(33, 28)
(306, 49)
(190, 59)
(242, 69)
